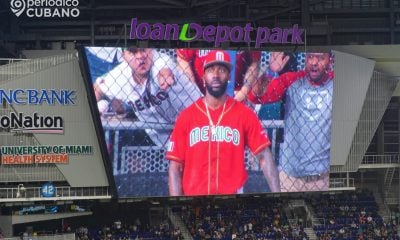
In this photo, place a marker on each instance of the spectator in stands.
(144, 87)
(273, 111)
(246, 72)
(304, 158)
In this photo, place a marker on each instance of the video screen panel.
(141, 92)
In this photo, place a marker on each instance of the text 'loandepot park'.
(216, 34)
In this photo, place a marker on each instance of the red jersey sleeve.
(178, 141)
(255, 56)
(186, 54)
(276, 88)
(255, 136)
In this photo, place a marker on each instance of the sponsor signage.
(14, 155)
(31, 209)
(38, 96)
(40, 209)
(190, 32)
(35, 123)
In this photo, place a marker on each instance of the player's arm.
(183, 59)
(273, 90)
(175, 178)
(98, 92)
(165, 78)
(269, 169)
(248, 82)
(176, 155)
(163, 70)
(269, 82)
(277, 62)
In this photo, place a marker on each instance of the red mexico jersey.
(214, 163)
(196, 59)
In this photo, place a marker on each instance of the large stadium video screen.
(271, 131)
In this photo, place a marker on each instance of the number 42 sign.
(48, 190)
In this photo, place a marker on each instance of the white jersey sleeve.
(113, 83)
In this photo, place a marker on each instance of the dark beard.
(218, 92)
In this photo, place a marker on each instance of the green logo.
(182, 35)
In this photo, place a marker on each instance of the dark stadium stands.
(351, 216)
(253, 219)
(348, 215)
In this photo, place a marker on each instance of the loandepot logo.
(45, 8)
(216, 34)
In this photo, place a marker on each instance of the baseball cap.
(218, 57)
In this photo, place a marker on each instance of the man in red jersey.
(191, 62)
(206, 149)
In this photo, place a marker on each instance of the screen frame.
(101, 133)
(85, 70)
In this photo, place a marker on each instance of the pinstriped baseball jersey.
(214, 163)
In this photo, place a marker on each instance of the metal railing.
(67, 236)
(392, 200)
(297, 203)
(11, 60)
(319, 221)
(381, 159)
(61, 193)
(115, 124)
(19, 69)
(341, 183)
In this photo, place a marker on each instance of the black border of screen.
(84, 66)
